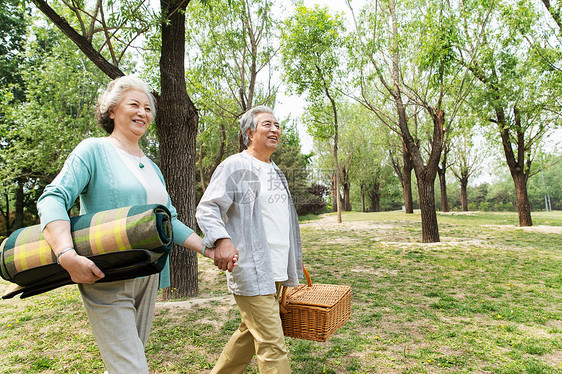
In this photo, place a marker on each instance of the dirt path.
(330, 222)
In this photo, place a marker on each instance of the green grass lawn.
(486, 299)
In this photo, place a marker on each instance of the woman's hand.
(195, 243)
(210, 253)
(80, 268)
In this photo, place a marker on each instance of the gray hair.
(249, 121)
(114, 94)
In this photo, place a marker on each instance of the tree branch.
(81, 42)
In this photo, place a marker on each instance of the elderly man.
(247, 210)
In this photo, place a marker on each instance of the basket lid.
(323, 295)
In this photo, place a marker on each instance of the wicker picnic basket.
(314, 312)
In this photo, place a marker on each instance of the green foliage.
(307, 197)
(12, 38)
(61, 88)
(313, 64)
(230, 48)
(517, 73)
(438, 41)
(363, 144)
(311, 39)
(547, 183)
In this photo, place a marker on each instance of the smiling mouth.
(137, 121)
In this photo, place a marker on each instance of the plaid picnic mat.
(26, 258)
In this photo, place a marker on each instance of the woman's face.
(133, 114)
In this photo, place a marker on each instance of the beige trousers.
(120, 314)
(259, 333)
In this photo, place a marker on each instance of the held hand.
(210, 253)
(225, 254)
(80, 268)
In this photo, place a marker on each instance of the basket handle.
(284, 291)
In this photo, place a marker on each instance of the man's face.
(265, 138)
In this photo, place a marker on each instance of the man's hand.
(226, 254)
(80, 268)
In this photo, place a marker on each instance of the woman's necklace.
(141, 165)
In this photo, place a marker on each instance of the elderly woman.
(108, 173)
(247, 207)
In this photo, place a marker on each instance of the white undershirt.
(155, 191)
(273, 200)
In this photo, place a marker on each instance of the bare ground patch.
(377, 272)
(221, 306)
(553, 359)
(543, 229)
(444, 243)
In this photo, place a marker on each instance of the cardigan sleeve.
(59, 196)
(181, 230)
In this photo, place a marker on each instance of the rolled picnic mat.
(124, 243)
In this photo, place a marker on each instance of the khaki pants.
(259, 333)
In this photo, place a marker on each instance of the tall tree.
(364, 140)
(406, 38)
(519, 89)
(311, 58)
(402, 165)
(467, 159)
(231, 48)
(104, 33)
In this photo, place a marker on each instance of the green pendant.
(141, 165)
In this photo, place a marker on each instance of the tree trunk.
(346, 192)
(375, 198)
(426, 174)
(177, 123)
(464, 195)
(336, 162)
(430, 227)
(443, 188)
(407, 182)
(346, 197)
(18, 207)
(7, 215)
(519, 167)
(201, 171)
(404, 173)
(522, 200)
(519, 162)
(335, 195)
(362, 198)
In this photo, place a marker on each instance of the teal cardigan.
(95, 173)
